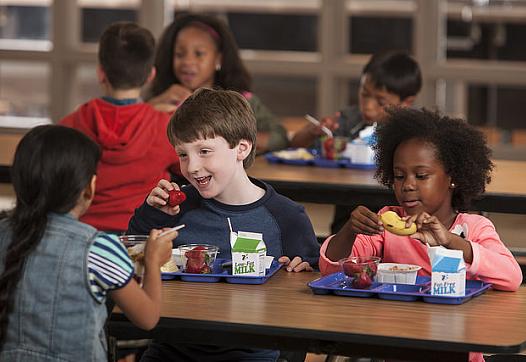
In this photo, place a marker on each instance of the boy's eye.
(205, 151)
(181, 154)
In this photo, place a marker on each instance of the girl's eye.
(199, 54)
(421, 176)
(398, 177)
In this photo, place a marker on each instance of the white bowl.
(397, 273)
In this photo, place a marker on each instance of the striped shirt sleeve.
(109, 266)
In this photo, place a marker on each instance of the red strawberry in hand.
(175, 197)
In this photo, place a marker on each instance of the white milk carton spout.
(249, 254)
(448, 277)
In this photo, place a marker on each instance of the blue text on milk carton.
(448, 276)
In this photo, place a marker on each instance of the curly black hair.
(460, 147)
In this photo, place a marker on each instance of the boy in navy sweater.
(214, 133)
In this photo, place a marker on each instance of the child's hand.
(158, 197)
(331, 122)
(429, 229)
(158, 249)
(296, 265)
(364, 221)
(170, 99)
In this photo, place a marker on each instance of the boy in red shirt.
(136, 152)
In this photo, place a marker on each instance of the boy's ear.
(152, 75)
(408, 101)
(101, 75)
(243, 149)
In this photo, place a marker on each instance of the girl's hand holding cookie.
(164, 198)
(429, 230)
(364, 221)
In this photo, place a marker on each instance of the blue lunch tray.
(319, 161)
(220, 273)
(338, 284)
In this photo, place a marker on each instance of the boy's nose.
(194, 164)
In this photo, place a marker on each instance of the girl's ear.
(89, 191)
(244, 148)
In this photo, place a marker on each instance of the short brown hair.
(126, 54)
(209, 113)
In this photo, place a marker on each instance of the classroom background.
(305, 56)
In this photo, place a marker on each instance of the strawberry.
(328, 147)
(373, 268)
(197, 261)
(175, 197)
(363, 281)
(350, 268)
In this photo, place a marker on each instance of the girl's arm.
(142, 305)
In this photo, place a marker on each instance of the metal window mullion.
(65, 38)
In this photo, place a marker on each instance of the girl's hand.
(170, 99)
(158, 249)
(429, 229)
(296, 265)
(158, 197)
(364, 221)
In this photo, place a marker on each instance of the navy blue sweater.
(284, 224)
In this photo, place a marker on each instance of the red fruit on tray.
(373, 268)
(350, 268)
(362, 281)
(197, 261)
(175, 197)
(328, 147)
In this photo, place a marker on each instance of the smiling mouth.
(202, 181)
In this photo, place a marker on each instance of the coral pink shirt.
(492, 261)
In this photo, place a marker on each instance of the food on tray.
(176, 197)
(361, 269)
(395, 224)
(136, 253)
(332, 147)
(397, 273)
(198, 258)
(297, 154)
(170, 267)
(398, 268)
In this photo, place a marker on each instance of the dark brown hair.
(209, 113)
(232, 75)
(126, 53)
(52, 165)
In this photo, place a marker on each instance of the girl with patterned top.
(55, 271)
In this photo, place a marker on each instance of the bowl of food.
(360, 270)
(397, 273)
(198, 258)
(135, 246)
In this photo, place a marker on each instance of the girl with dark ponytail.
(55, 271)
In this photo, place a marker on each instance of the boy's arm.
(298, 237)
(146, 218)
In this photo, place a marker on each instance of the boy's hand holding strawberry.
(166, 196)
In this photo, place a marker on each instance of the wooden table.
(285, 314)
(506, 193)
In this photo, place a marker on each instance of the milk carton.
(249, 254)
(448, 277)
